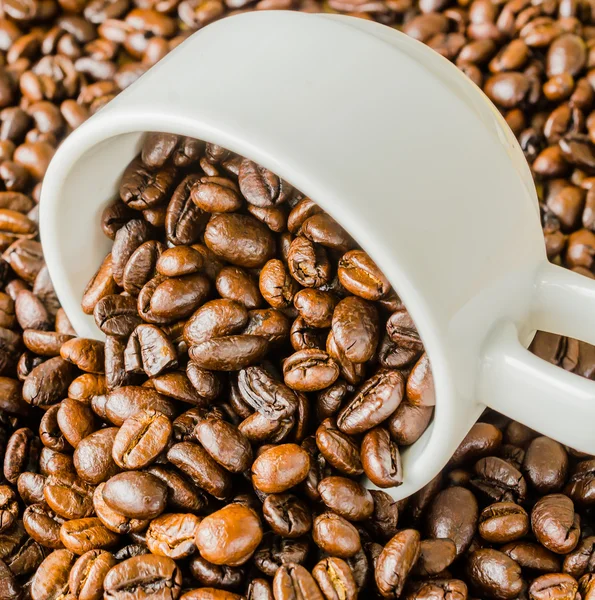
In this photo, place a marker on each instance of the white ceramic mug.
(402, 149)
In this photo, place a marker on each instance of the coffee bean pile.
(184, 458)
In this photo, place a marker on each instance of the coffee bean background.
(256, 361)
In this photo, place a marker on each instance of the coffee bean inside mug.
(240, 278)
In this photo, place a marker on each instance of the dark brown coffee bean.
(43, 525)
(435, 556)
(93, 456)
(75, 420)
(215, 319)
(530, 555)
(112, 519)
(50, 581)
(179, 260)
(135, 494)
(150, 351)
(335, 535)
(338, 448)
(140, 439)
(308, 263)
(553, 585)
(315, 307)
(545, 465)
(579, 561)
(381, 459)
(453, 514)
(494, 573)
(396, 561)
(229, 536)
(355, 328)
(148, 574)
(276, 284)
(374, 402)
(216, 195)
(346, 497)
(483, 439)
(184, 221)
(44, 343)
(555, 524)
(157, 149)
(503, 522)
(182, 495)
(261, 187)
(294, 581)
(116, 315)
(172, 535)
(128, 238)
(195, 462)
(360, 276)
(335, 579)
(225, 444)
(128, 401)
(22, 454)
(222, 576)
(142, 188)
(499, 480)
(420, 384)
(310, 370)
(30, 312)
(240, 239)
(88, 573)
(229, 353)
(88, 355)
(48, 382)
(81, 535)
(234, 283)
(287, 515)
(279, 468)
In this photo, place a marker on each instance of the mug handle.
(530, 390)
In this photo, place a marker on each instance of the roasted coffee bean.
(229, 536)
(215, 319)
(43, 525)
(360, 276)
(116, 315)
(381, 459)
(50, 581)
(225, 444)
(346, 497)
(141, 188)
(112, 519)
(435, 556)
(88, 573)
(553, 585)
(140, 439)
(308, 263)
(81, 535)
(234, 283)
(335, 535)
(75, 420)
(555, 524)
(335, 579)
(93, 456)
(88, 355)
(396, 561)
(494, 573)
(261, 187)
(310, 370)
(68, 496)
(128, 401)
(530, 555)
(374, 402)
(453, 514)
(239, 239)
(48, 382)
(499, 480)
(338, 448)
(220, 576)
(294, 581)
(195, 462)
(22, 454)
(229, 353)
(173, 535)
(287, 515)
(579, 561)
(146, 575)
(279, 468)
(545, 465)
(503, 522)
(135, 494)
(355, 328)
